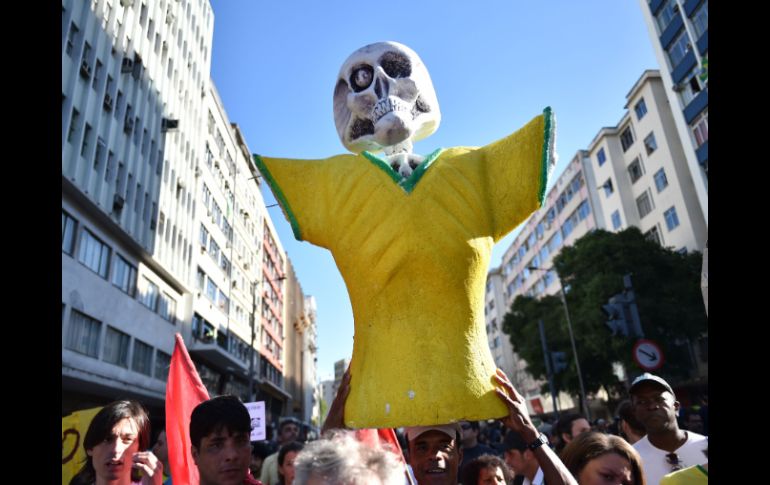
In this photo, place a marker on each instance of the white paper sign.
(257, 413)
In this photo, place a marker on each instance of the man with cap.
(665, 448)
(435, 453)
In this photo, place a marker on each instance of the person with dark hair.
(112, 443)
(259, 451)
(160, 448)
(486, 470)
(596, 458)
(472, 449)
(288, 431)
(219, 439)
(666, 448)
(286, 456)
(568, 427)
(629, 427)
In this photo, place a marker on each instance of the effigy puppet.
(412, 237)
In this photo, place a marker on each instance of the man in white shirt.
(665, 448)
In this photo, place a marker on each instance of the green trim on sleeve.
(705, 472)
(279, 196)
(548, 147)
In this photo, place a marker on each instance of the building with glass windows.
(164, 229)
(680, 39)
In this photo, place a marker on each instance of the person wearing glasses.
(665, 448)
(472, 449)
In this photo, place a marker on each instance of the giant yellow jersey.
(414, 255)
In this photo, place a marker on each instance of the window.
(650, 144)
(661, 182)
(116, 347)
(616, 220)
(94, 253)
(84, 334)
(73, 124)
(672, 220)
(665, 15)
(626, 139)
(124, 275)
(162, 364)
(101, 146)
(200, 279)
(68, 228)
(149, 296)
(167, 307)
(635, 170)
(86, 136)
(701, 19)
(644, 204)
(653, 235)
(700, 128)
(142, 361)
(211, 290)
(641, 109)
(71, 38)
(678, 49)
(97, 74)
(607, 186)
(224, 302)
(555, 242)
(583, 210)
(601, 157)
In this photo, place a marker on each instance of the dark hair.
(470, 472)
(101, 428)
(222, 412)
(261, 449)
(625, 412)
(564, 425)
(287, 421)
(588, 446)
(295, 446)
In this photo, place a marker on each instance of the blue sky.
(494, 65)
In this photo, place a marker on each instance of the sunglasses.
(674, 461)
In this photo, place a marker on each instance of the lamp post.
(583, 402)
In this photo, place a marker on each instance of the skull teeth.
(387, 105)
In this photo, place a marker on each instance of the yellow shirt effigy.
(414, 255)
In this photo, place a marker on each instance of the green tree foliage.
(667, 289)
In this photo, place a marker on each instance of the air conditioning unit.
(246, 266)
(227, 185)
(108, 102)
(118, 202)
(169, 124)
(127, 65)
(153, 224)
(678, 87)
(129, 126)
(216, 163)
(197, 171)
(127, 3)
(203, 248)
(676, 7)
(180, 184)
(85, 69)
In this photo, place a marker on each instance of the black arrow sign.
(653, 356)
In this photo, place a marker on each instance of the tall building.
(642, 171)
(680, 39)
(632, 174)
(164, 229)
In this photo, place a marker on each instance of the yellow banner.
(73, 432)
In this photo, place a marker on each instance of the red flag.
(184, 391)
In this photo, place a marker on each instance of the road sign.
(648, 354)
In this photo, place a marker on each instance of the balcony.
(219, 348)
(698, 104)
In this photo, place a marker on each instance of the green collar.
(409, 183)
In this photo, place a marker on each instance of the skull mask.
(384, 99)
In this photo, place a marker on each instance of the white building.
(680, 39)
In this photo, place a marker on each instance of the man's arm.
(554, 471)
(336, 417)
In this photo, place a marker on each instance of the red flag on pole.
(184, 391)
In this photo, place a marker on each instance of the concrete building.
(164, 229)
(680, 39)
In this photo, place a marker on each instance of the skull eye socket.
(396, 64)
(361, 78)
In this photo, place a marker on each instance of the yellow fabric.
(689, 476)
(73, 431)
(415, 267)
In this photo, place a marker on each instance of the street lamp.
(584, 403)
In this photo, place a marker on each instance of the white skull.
(384, 97)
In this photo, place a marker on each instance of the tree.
(667, 288)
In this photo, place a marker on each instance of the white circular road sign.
(648, 354)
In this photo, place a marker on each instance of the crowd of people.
(645, 446)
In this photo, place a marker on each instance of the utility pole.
(549, 371)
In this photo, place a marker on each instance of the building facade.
(680, 39)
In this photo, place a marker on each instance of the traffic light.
(616, 315)
(559, 361)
